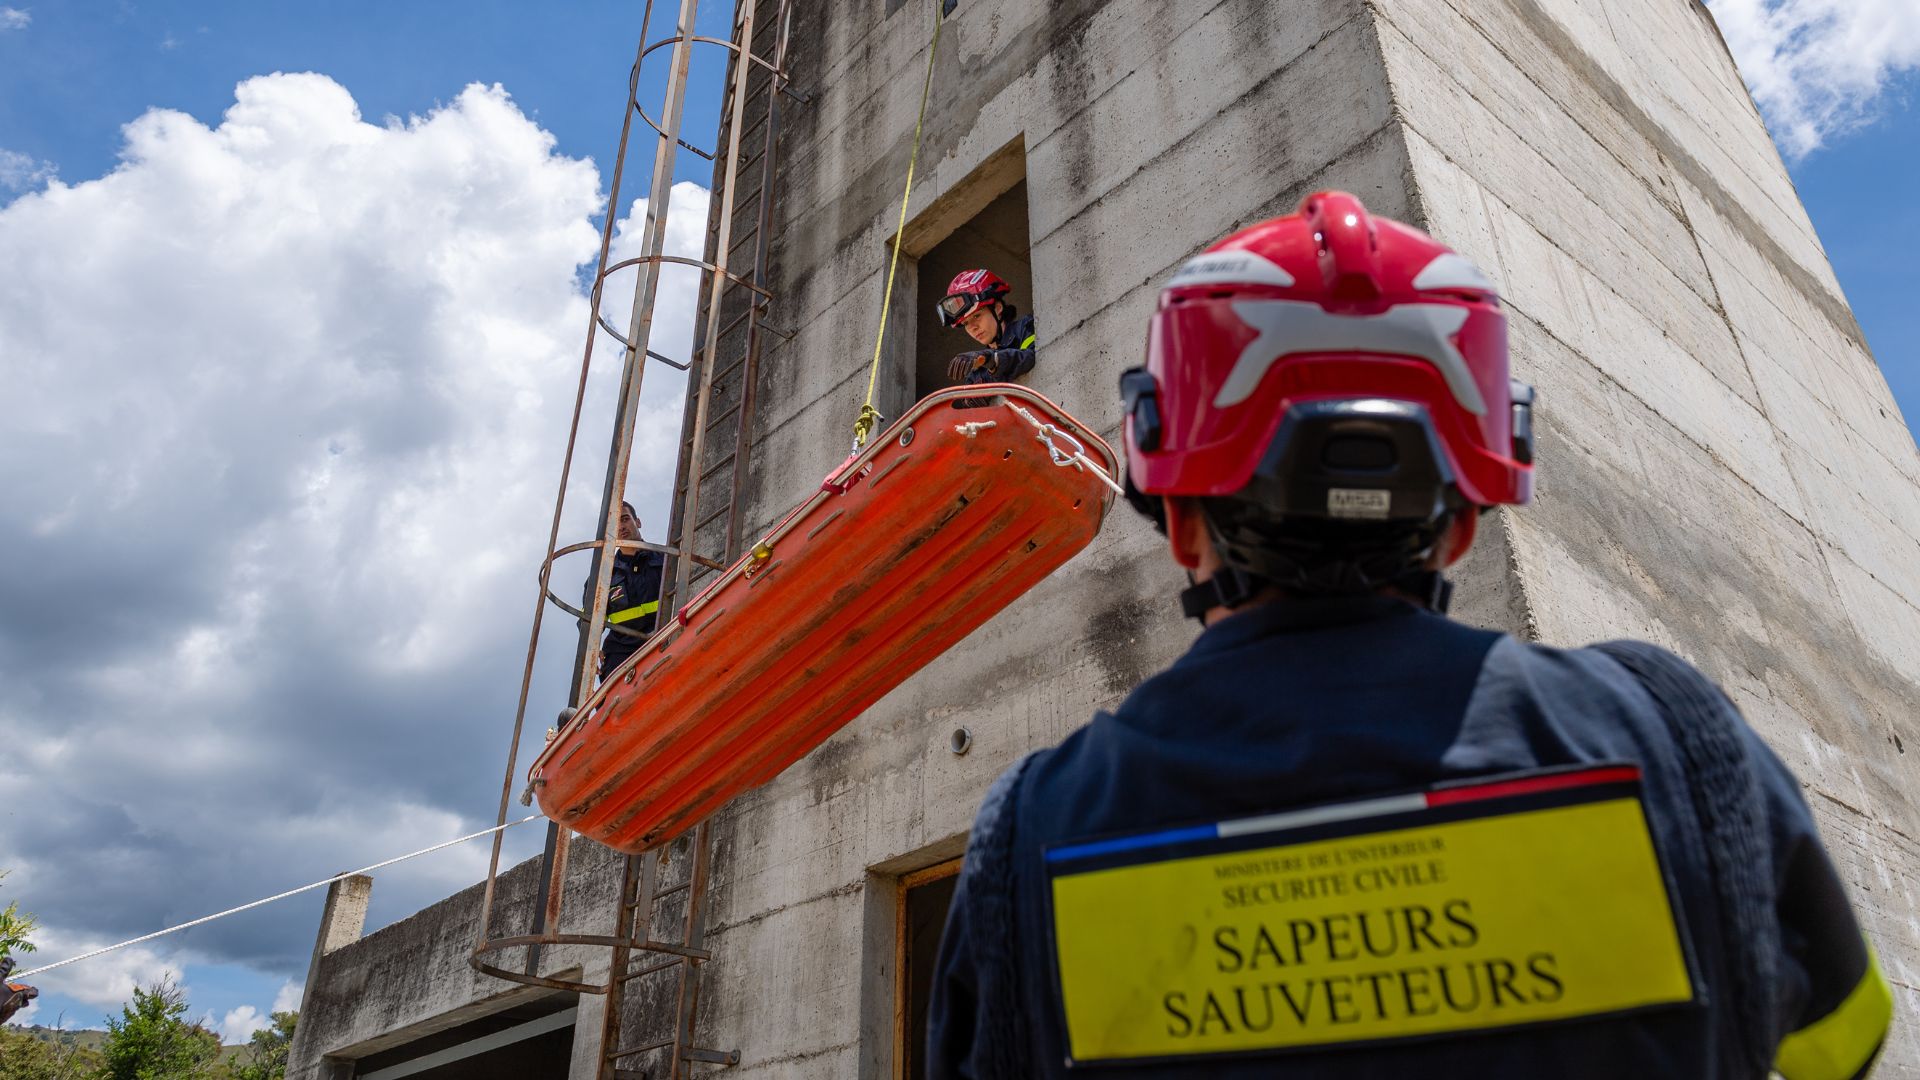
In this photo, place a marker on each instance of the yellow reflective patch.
(632, 613)
(1838, 1045)
(1497, 920)
(1028, 344)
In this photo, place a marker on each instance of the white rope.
(1078, 454)
(276, 896)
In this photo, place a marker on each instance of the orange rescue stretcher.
(947, 517)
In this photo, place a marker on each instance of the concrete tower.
(1722, 468)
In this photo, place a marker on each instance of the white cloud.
(238, 1025)
(18, 171)
(14, 18)
(280, 422)
(106, 981)
(1819, 68)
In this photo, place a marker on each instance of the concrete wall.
(1723, 469)
(412, 978)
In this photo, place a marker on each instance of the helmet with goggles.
(969, 291)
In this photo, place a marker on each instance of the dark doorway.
(530, 1041)
(996, 239)
(925, 896)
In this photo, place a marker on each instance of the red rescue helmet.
(969, 291)
(1334, 388)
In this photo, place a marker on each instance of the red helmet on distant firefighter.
(970, 291)
(1333, 388)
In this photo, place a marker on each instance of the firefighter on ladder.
(1344, 835)
(633, 598)
(976, 303)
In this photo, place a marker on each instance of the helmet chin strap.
(1230, 587)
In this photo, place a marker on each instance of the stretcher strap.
(1064, 449)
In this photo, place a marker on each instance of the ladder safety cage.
(653, 947)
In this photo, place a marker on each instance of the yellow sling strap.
(863, 427)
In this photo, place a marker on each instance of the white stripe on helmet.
(1243, 267)
(1291, 326)
(1452, 271)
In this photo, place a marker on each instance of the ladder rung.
(742, 238)
(729, 369)
(648, 969)
(722, 418)
(673, 949)
(714, 471)
(734, 323)
(711, 518)
(635, 1051)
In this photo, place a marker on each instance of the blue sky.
(73, 75)
(79, 71)
(1859, 191)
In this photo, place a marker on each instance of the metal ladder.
(732, 327)
(657, 941)
(663, 894)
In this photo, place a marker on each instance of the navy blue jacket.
(633, 603)
(1310, 702)
(1012, 355)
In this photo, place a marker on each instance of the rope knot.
(863, 427)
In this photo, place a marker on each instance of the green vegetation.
(151, 1040)
(43, 1054)
(265, 1057)
(14, 927)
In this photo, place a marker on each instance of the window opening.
(993, 239)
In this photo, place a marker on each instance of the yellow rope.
(863, 427)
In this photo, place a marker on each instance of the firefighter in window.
(976, 303)
(1344, 835)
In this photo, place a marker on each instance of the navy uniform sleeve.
(974, 1023)
(647, 580)
(1010, 363)
(1838, 1003)
(953, 1016)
